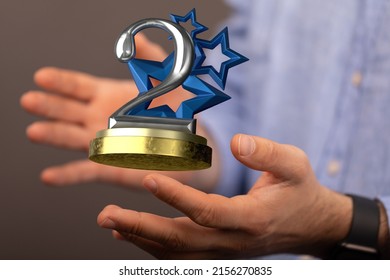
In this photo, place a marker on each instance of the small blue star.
(235, 58)
(206, 95)
(199, 28)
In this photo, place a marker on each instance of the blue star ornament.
(198, 28)
(206, 95)
(235, 58)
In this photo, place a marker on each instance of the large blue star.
(198, 28)
(235, 58)
(206, 95)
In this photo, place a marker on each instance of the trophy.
(159, 138)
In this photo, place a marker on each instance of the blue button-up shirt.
(318, 78)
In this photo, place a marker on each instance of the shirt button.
(357, 78)
(334, 167)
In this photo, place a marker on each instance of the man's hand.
(75, 106)
(286, 210)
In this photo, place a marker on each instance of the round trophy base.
(150, 149)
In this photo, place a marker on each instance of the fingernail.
(246, 145)
(150, 184)
(108, 223)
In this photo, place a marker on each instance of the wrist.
(342, 212)
(368, 236)
(332, 224)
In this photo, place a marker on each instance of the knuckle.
(137, 229)
(162, 253)
(205, 214)
(302, 163)
(236, 247)
(173, 242)
(173, 197)
(270, 153)
(300, 154)
(130, 237)
(257, 225)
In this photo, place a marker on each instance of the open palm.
(75, 106)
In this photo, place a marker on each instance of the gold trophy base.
(150, 149)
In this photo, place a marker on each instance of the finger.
(205, 209)
(59, 134)
(54, 107)
(118, 235)
(75, 84)
(84, 171)
(75, 172)
(174, 234)
(281, 160)
(153, 248)
(160, 252)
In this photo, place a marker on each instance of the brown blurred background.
(40, 222)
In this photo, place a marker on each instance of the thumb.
(261, 154)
